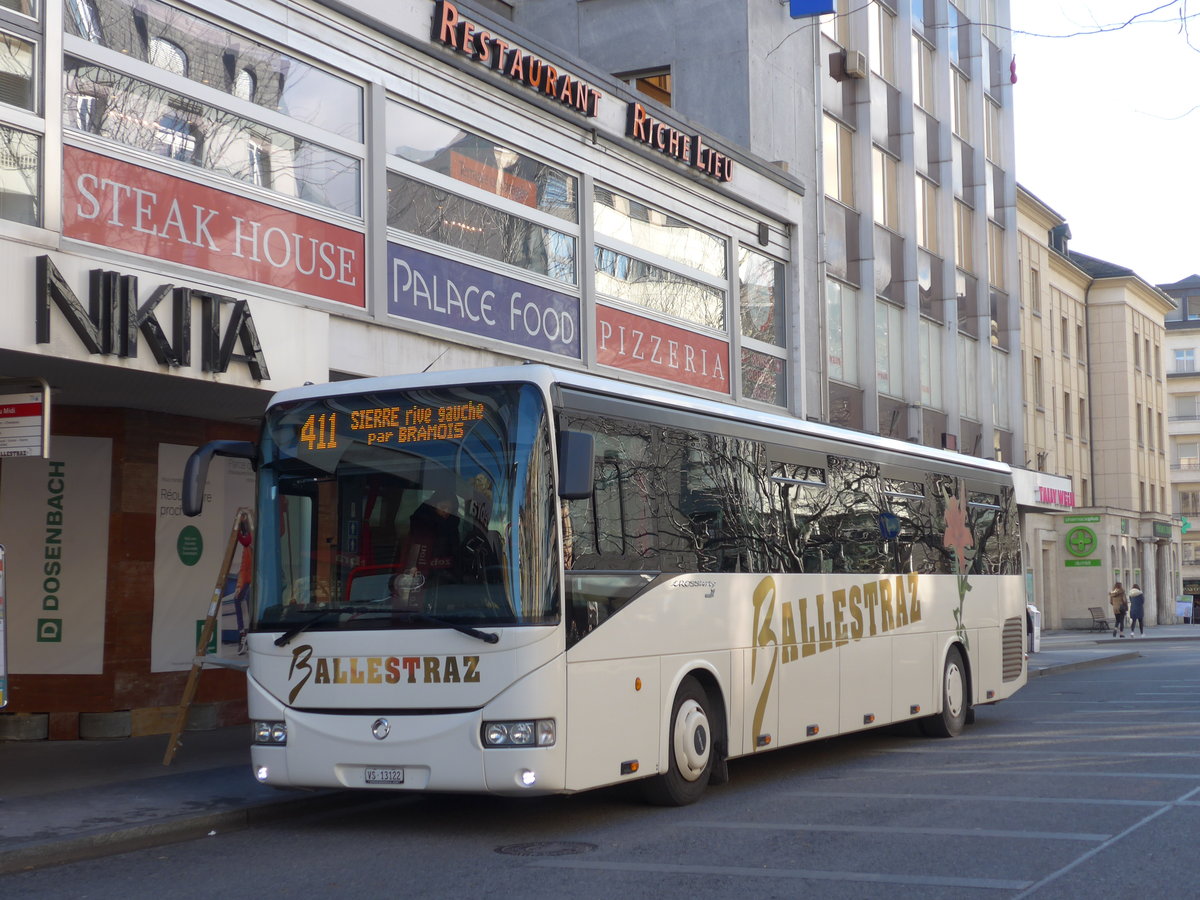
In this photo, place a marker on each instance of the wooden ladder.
(206, 633)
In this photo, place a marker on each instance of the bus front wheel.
(690, 750)
(950, 721)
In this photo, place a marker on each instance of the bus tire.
(953, 717)
(690, 749)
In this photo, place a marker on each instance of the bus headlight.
(522, 733)
(271, 733)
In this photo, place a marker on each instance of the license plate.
(385, 776)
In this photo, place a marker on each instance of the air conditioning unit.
(855, 64)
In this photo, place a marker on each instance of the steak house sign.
(451, 29)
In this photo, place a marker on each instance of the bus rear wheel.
(953, 717)
(690, 751)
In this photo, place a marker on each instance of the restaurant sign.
(439, 291)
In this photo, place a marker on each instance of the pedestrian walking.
(1120, 606)
(1137, 611)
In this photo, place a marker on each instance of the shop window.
(20, 174)
(147, 117)
(17, 72)
(306, 93)
(760, 301)
(472, 159)
(764, 377)
(661, 290)
(658, 232)
(438, 215)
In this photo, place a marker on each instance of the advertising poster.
(3, 640)
(54, 527)
(188, 553)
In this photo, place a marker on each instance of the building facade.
(1095, 410)
(1183, 428)
(906, 131)
(202, 204)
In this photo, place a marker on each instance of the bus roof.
(548, 376)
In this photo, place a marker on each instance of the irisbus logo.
(378, 669)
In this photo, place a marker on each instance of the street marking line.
(883, 829)
(800, 874)
(1095, 850)
(1056, 773)
(857, 795)
(1062, 754)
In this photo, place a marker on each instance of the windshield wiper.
(488, 636)
(317, 616)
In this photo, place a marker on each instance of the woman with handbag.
(1120, 606)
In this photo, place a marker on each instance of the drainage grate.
(547, 848)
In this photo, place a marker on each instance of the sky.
(1108, 127)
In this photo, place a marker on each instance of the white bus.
(526, 581)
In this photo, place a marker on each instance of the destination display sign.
(390, 425)
(328, 427)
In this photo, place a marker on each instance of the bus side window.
(856, 517)
(938, 489)
(613, 529)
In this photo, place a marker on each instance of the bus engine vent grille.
(1013, 649)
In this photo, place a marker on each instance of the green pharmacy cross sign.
(1081, 542)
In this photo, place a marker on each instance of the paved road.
(1087, 784)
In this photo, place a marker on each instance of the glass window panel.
(20, 157)
(438, 215)
(446, 148)
(17, 72)
(837, 153)
(1000, 400)
(152, 119)
(761, 297)
(930, 350)
(658, 232)
(882, 37)
(25, 7)
(658, 289)
(842, 331)
(887, 207)
(889, 348)
(764, 377)
(968, 376)
(218, 57)
(923, 70)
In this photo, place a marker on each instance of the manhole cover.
(547, 848)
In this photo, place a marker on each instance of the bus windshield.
(398, 509)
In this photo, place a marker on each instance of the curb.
(54, 852)
(1084, 664)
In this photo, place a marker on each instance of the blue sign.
(802, 8)
(444, 292)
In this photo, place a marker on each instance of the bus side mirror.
(576, 454)
(195, 473)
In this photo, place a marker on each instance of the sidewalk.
(62, 801)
